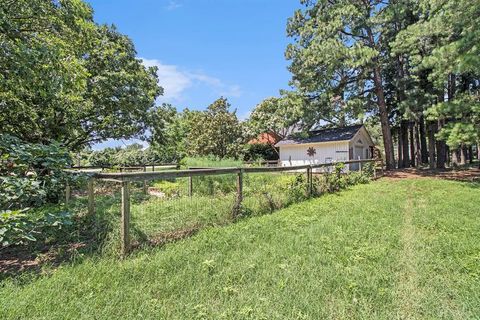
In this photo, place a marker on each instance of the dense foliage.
(65, 78)
(131, 155)
(31, 175)
(216, 131)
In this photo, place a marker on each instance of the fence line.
(125, 178)
(126, 168)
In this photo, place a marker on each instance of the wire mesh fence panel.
(266, 192)
(177, 207)
(153, 207)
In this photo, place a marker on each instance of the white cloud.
(172, 5)
(176, 82)
(173, 81)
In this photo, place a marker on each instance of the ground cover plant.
(377, 250)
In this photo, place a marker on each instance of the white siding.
(295, 155)
(360, 145)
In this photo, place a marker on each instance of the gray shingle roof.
(323, 135)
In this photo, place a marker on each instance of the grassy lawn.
(402, 249)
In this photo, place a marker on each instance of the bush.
(338, 179)
(20, 227)
(260, 151)
(31, 174)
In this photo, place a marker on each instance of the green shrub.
(170, 188)
(337, 179)
(21, 227)
(31, 174)
(260, 151)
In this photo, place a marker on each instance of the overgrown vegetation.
(384, 250)
(31, 175)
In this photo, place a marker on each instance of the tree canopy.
(216, 131)
(65, 78)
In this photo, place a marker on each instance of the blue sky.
(207, 48)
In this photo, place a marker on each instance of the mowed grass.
(406, 249)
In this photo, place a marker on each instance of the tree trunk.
(399, 150)
(463, 154)
(423, 140)
(478, 153)
(441, 146)
(412, 145)
(454, 158)
(382, 105)
(404, 130)
(418, 155)
(470, 154)
(432, 129)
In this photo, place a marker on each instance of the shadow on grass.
(467, 174)
(87, 236)
(97, 235)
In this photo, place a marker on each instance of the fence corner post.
(91, 196)
(125, 227)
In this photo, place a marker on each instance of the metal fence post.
(125, 228)
(238, 203)
(190, 186)
(145, 186)
(67, 193)
(91, 196)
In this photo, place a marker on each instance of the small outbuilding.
(326, 146)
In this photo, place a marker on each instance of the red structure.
(266, 138)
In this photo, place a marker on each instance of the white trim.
(310, 143)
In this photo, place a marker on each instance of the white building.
(327, 145)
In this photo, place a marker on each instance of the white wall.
(296, 155)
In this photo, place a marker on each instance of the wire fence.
(156, 207)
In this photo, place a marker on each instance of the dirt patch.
(167, 237)
(17, 260)
(470, 175)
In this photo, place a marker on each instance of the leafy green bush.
(260, 151)
(170, 188)
(20, 227)
(30, 174)
(297, 189)
(338, 178)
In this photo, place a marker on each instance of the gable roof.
(324, 135)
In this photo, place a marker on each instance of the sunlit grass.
(386, 250)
